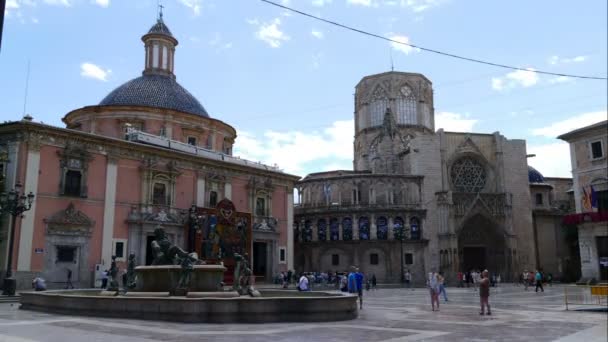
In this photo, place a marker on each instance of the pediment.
(468, 146)
(69, 222)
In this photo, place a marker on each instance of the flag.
(593, 196)
(586, 200)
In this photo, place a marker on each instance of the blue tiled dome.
(534, 176)
(157, 91)
(160, 28)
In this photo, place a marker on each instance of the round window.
(468, 175)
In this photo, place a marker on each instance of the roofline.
(392, 72)
(98, 108)
(21, 126)
(578, 131)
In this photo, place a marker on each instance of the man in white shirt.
(303, 283)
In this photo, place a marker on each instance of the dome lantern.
(160, 49)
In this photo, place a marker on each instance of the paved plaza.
(388, 315)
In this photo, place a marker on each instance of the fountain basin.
(272, 306)
(161, 278)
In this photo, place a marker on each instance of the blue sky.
(286, 82)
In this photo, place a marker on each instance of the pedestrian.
(289, 275)
(498, 280)
(344, 282)
(104, 279)
(441, 282)
(484, 293)
(550, 279)
(408, 279)
(355, 284)
(303, 283)
(374, 282)
(460, 279)
(525, 279)
(531, 278)
(433, 285)
(39, 284)
(539, 281)
(68, 283)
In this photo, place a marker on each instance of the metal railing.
(586, 296)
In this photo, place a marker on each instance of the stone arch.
(481, 244)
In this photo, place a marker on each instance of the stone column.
(108, 211)
(290, 236)
(228, 191)
(355, 228)
(315, 230)
(26, 233)
(391, 233)
(340, 227)
(200, 190)
(373, 230)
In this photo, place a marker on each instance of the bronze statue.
(131, 281)
(165, 253)
(113, 275)
(187, 264)
(242, 276)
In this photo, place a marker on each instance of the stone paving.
(390, 315)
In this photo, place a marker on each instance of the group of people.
(536, 278)
(351, 282)
(481, 280)
(473, 277)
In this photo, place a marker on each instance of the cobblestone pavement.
(393, 315)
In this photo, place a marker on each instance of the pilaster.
(32, 169)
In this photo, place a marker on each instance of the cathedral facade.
(418, 199)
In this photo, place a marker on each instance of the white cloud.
(420, 5)
(103, 3)
(453, 122)
(90, 70)
(365, 3)
(194, 5)
(406, 49)
(11, 6)
(560, 79)
(65, 3)
(575, 122)
(321, 3)
(300, 152)
(317, 34)
(552, 160)
(517, 78)
(555, 60)
(270, 33)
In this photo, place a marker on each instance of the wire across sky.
(446, 54)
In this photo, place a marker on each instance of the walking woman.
(434, 290)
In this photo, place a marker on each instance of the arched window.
(322, 229)
(377, 106)
(415, 228)
(398, 228)
(406, 106)
(347, 229)
(363, 228)
(382, 228)
(334, 229)
(307, 235)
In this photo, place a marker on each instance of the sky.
(286, 82)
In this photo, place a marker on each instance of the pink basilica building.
(139, 159)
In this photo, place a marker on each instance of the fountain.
(178, 286)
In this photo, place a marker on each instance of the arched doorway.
(481, 245)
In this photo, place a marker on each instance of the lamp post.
(14, 203)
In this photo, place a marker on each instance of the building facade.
(138, 160)
(590, 177)
(417, 199)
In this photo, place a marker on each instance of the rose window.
(468, 175)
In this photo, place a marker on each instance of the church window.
(155, 56)
(602, 200)
(415, 228)
(373, 259)
(596, 149)
(363, 228)
(409, 258)
(260, 206)
(398, 228)
(119, 249)
(406, 106)
(192, 141)
(73, 179)
(74, 169)
(382, 227)
(334, 229)
(468, 175)
(307, 236)
(165, 57)
(377, 107)
(159, 194)
(210, 142)
(212, 198)
(322, 229)
(347, 229)
(335, 259)
(66, 254)
(539, 199)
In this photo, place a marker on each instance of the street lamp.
(14, 203)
